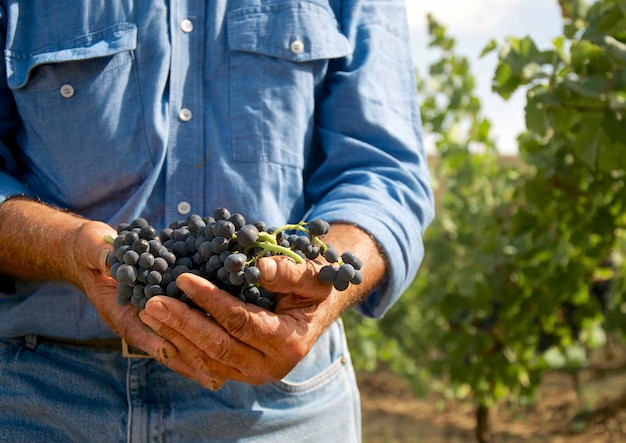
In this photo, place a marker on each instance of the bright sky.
(473, 24)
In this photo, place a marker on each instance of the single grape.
(238, 220)
(126, 274)
(302, 242)
(154, 278)
(142, 275)
(119, 241)
(247, 235)
(318, 227)
(346, 272)
(252, 294)
(340, 284)
(169, 257)
(224, 228)
(138, 291)
(312, 252)
(146, 260)
(214, 263)
(179, 270)
(153, 290)
(123, 290)
(112, 258)
(179, 249)
(173, 291)
(196, 224)
(327, 274)
(219, 245)
(235, 263)
(165, 234)
(190, 243)
(139, 222)
(155, 246)
(351, 258)
(123, 227)
(181, 233)
(252, 274)
(114, 268)
(331, 255)
(265, 303)
(358, 278)
(221, 214)
(148, 233)
(130, 238)
(123, 301)
(160, 265)
(237, 279)
(223, 274)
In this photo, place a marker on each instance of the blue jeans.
(64, 394)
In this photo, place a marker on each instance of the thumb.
(283, 276)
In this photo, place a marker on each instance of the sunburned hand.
(242, 342)
(90, 272)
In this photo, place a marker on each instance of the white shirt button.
(67, 90)
(183, 208)
(297, 47)
(184, 115)
(186, 25)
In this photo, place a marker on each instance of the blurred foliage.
(524, 266)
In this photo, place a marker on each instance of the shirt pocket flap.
(112, 40)
(296, 31)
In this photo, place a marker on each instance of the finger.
(200, 339)
(141, 336)
(281, 275)
(240, 320)
(208, 380)
(191, 361)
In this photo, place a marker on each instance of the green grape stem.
(269, 246)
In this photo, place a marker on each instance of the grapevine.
(223, 248)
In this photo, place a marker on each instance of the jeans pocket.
(318, 380)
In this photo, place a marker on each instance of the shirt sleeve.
(375, 173)
(9, 184)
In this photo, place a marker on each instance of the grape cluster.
(224, 249)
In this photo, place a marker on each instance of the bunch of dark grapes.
(224, 249)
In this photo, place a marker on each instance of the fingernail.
(214, 386)
(268, 269)
(158, 310)
(103, 260)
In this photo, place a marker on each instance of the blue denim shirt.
(277, 109)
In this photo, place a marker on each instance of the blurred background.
(513, 330)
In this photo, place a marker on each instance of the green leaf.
(491, 46)
(587, 145)
(592, 87)
(615, 48)
(537, 116)
(617, 100)
(584, 53)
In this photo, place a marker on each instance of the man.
(278, 110)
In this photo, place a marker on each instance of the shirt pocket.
(80, 105)
(279, 54)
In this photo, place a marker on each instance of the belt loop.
(30, 341)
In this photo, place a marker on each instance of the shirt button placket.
(185, 191)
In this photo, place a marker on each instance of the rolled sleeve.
(375, 173)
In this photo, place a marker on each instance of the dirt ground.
(392, 414)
